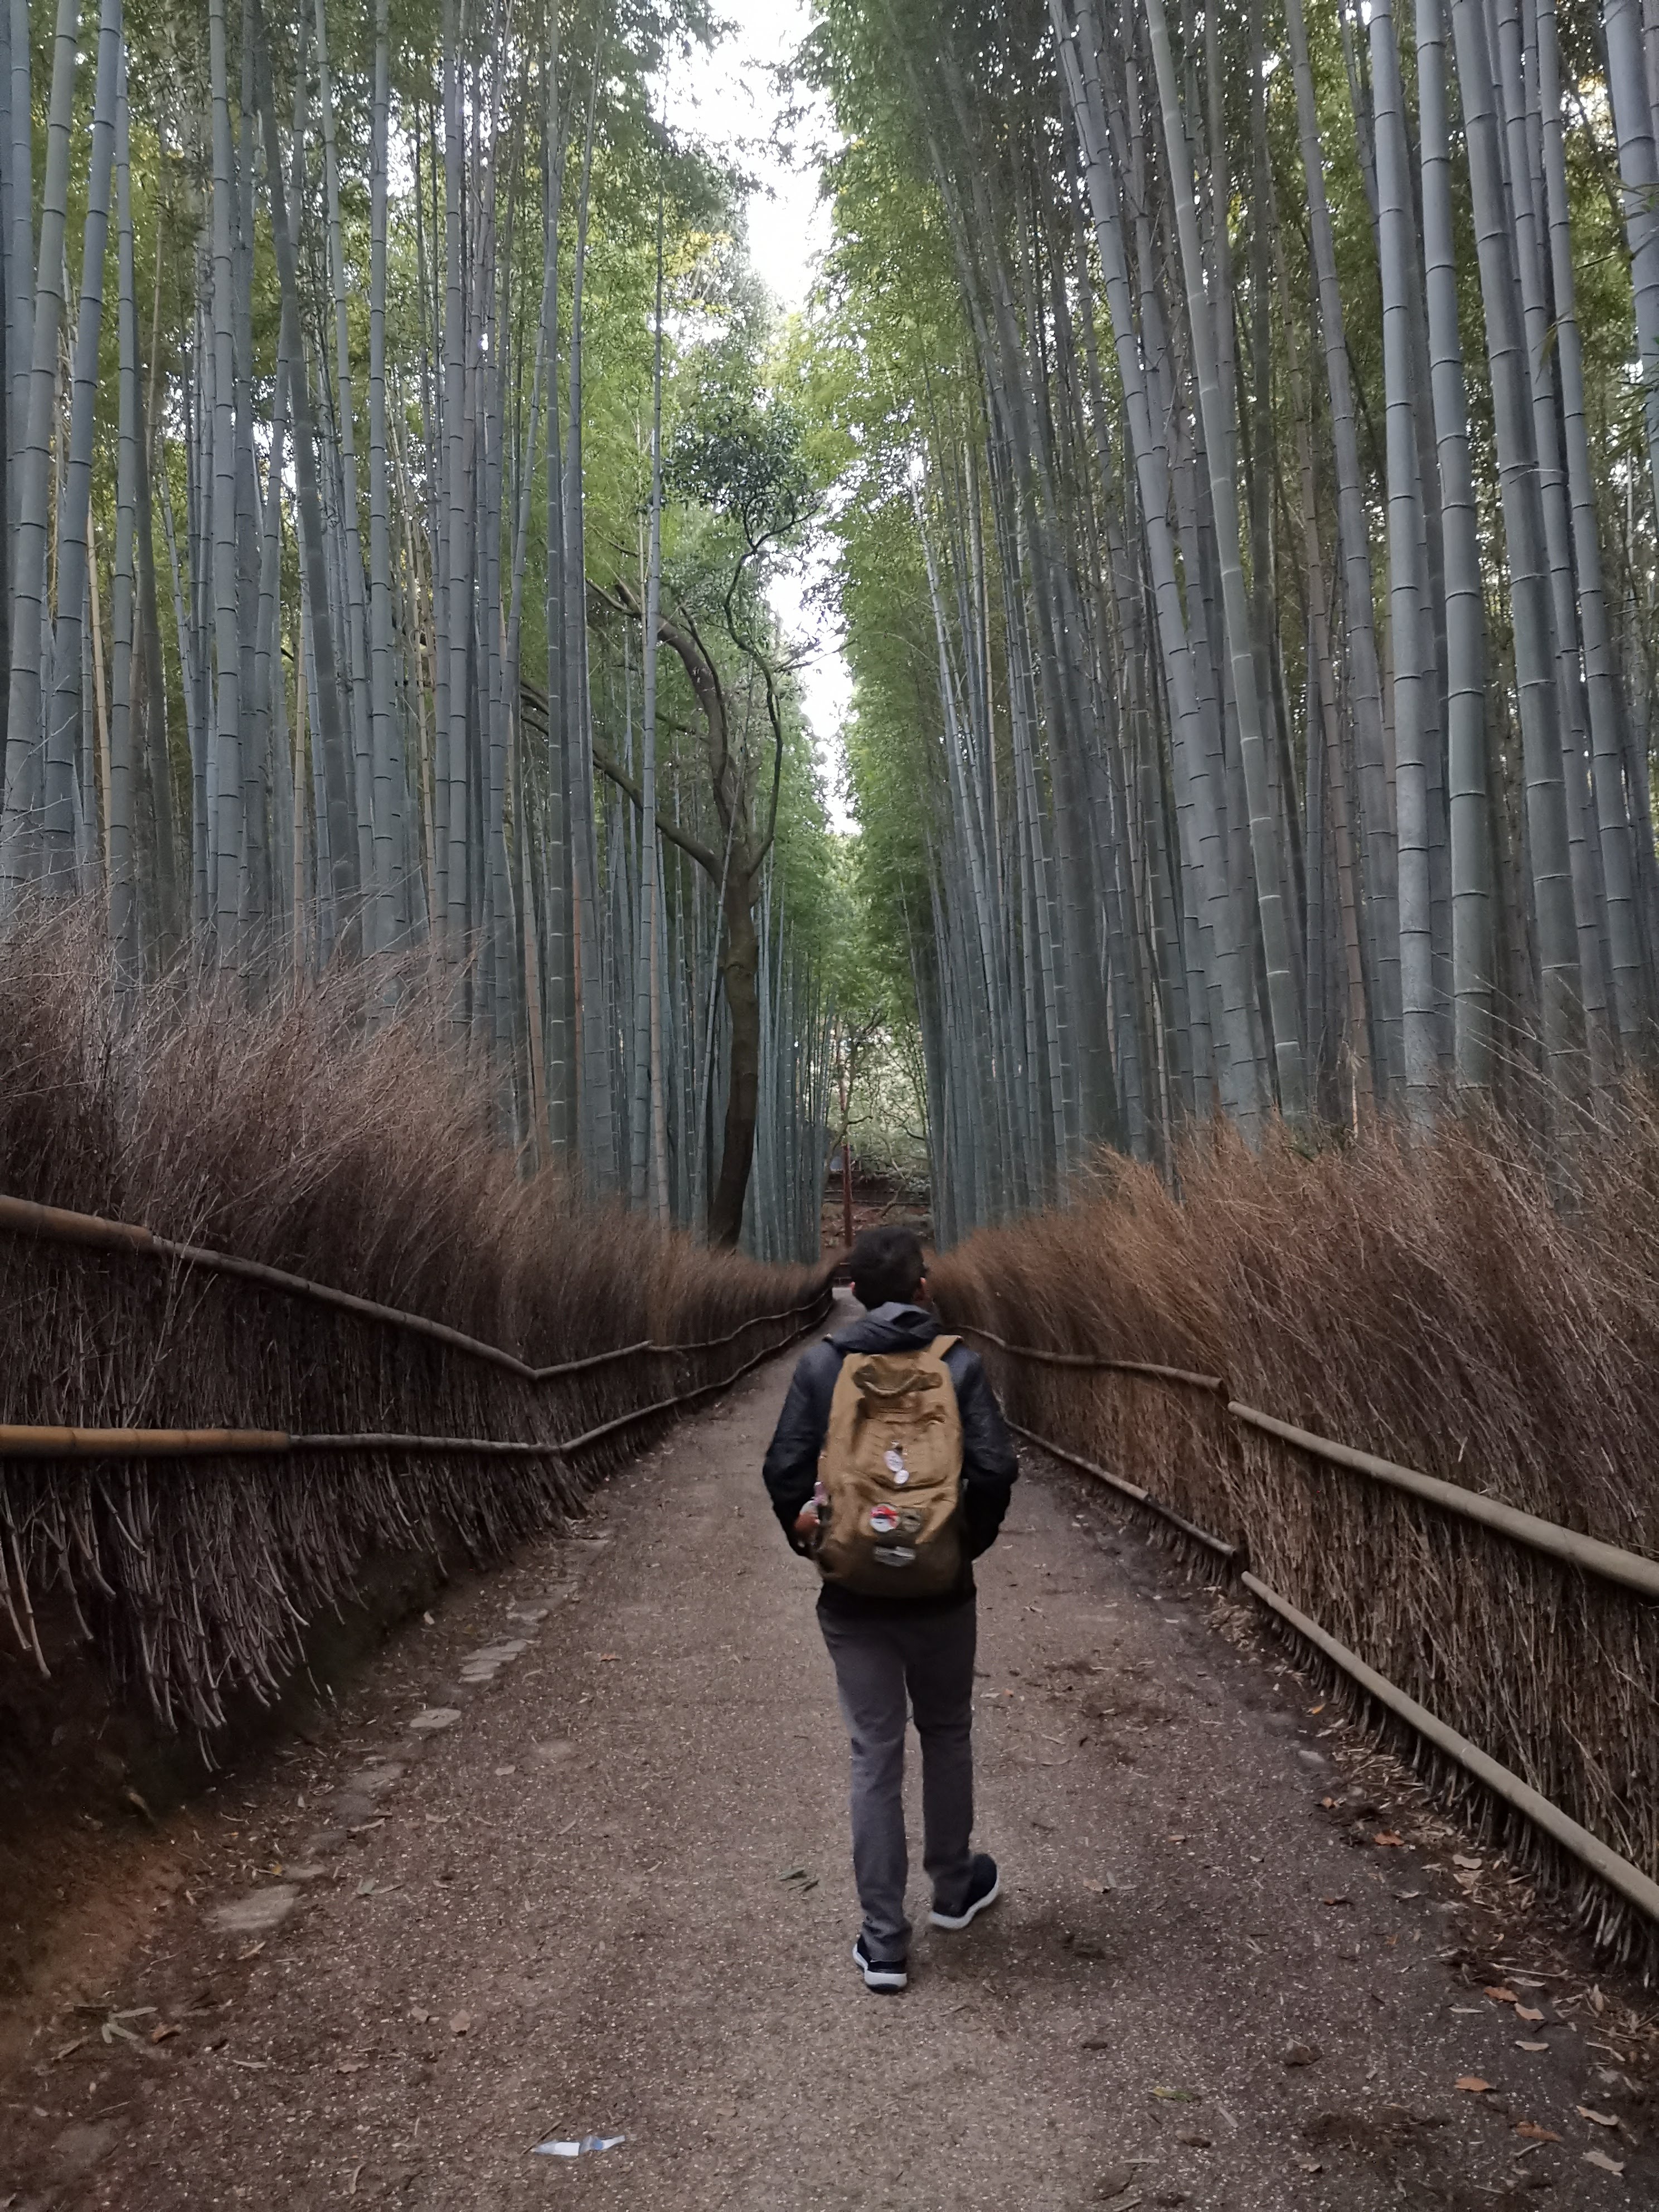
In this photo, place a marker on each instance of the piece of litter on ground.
(255, 1915)
(556, 2147)
(1600, 2159)
(431, 1718)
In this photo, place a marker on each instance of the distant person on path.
(892, 1467)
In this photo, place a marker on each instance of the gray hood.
(890, 1329)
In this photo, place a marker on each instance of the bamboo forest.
(1225, 441)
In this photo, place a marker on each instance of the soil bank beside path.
(613, 1895)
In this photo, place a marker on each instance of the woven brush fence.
(1442, 1306)
(357, 1156)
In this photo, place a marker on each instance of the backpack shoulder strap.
(941, 1345)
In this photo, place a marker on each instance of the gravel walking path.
(612, 1896)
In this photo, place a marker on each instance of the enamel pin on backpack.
(891, 1475)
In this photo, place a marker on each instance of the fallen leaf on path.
(1473, 2083)
(67, 2048)
(1336, 1900)
(1596, 2119)
(351, 2065)
(1387, 1837)
(1598, 2002)
(1533, 2133)
(1459, 1860)
(1498, 1993)
(1178, 2096)
(1528, 2012)
(795, 1874)
(161, 2034)
(1599, 2158)
(1531, 2046)
(252, 1952)
(1308, 2165)
(460, 2023)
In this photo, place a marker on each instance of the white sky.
(728, 99)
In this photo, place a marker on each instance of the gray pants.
(882, 1666)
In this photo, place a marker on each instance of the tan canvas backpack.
(891, 1475)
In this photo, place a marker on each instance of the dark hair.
(887, 1267)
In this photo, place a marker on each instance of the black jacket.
(988, 1464)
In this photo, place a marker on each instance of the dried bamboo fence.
(191, 1558)
(1520, 1656)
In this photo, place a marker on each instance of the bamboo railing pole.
(1611, 1562)
(1215, 1383)
(1636, 1887)
(1135, 1494)
(23, 1217)
(20, 1441)
(1590, 1552)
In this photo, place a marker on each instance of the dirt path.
(613, 1895)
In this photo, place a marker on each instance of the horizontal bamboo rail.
(1590, 1552)
(1632, 1884)
(1099, 1361)
(1630, 1570)
(18, 1442)
(1620, 1874)
(1133, 1491)
(1633, 1570)
(24, 1218)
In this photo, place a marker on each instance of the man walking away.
(891, 1466)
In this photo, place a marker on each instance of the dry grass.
(359, 1157)
(1447, 1304)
